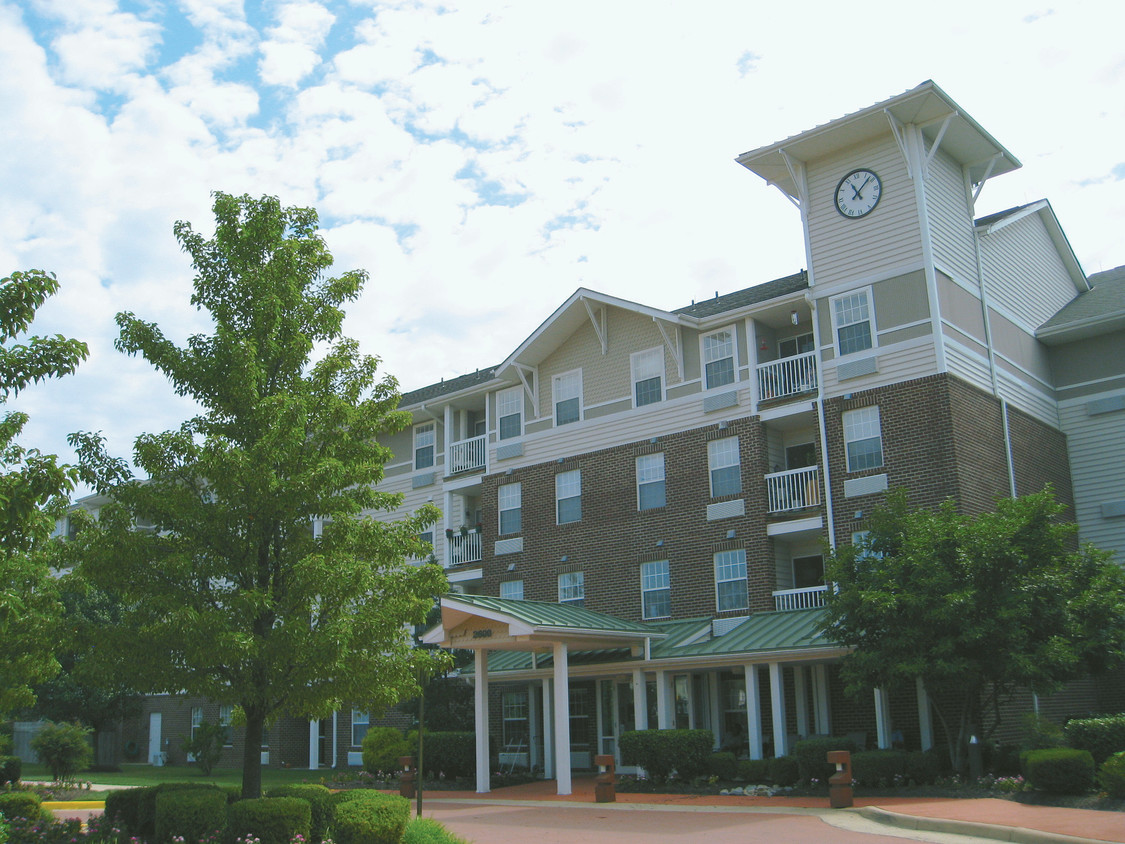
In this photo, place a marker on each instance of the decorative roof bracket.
(796, 169)
(597, 319)
(670, 331)
(529, 377)
(979, 186)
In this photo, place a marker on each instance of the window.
(568, 394)
(428, 539)
(226, 715)
(718, 358)
(791, 346)
(360, 722)
(424, 445)
(196, 720)
(568, 496)
(808, 572)
(852, 320)
(514, 710)
(730, 580)
(723, 461)
(648, 376)
(512, 590)
(656, 600)
(509, 410)
(509, 497)
(862, 441)
(650, 481)
(572, 588)
(864, 547)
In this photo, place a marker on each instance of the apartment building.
(636, 500)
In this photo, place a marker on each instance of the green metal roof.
(562, 616)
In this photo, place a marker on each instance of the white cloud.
(289, 51)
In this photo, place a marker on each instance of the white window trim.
(662, 375)
(518, 391)
(558, 498)
(667, 588)
(844, 430)
(870, 319)
(516, 488)
(745, 579)
(579, 586)
(712, 468)
(555, 396)
(359, 717)
(510, 597)
(734, 358)
(414, 441)
(663, 479)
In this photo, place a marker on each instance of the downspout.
(335, 738)
(828, 509)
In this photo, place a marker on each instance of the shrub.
(19, 804)
(378, 819)
(122, 809)
(784, 770)
(1103, 737)
(1111, 775)
(660, 752)
(11, 767)
(320, 805)
(755, 771)
(451, 753)
(1041, 733)
(722, 765)
(192, 813)
(144, 808)
(429, 831)
(381, 748)
(812, 756)
(878, 767)
(1061, 770)
(63, 748)
(923, 766)
(206, 745)
(272, 820)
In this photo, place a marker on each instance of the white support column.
(448, 434)
(548, 732)
(801, 698)
(717, 725)
(753, 711)
(534, 728)
(640, 699)
(882, 720)
(822, 713)
(480, 701)
(663, 715)
(562, 720)
(314, 745)
(777, 701)
(599, 715)
(925, 719)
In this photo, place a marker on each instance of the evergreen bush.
(19, 804)
(1060, 770)
(924, 766)
(453, 754)
(429, 831)
(11, 768)
(192, 814)
(660, 752)
(122, 810)
(63, 748)
(879, 768)
(272, 820)
(379, 819)
(754, 771)
(320, 805)
(722, 765)
(784, 770)
(812, 756)
(1111, 775)
(381, 748)
(1103, 737)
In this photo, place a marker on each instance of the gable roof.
(1099, 310)
(1042, 208)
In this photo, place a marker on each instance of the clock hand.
(861, 187)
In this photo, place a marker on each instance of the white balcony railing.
(787, 377)
(464, 549)
(799, 599)
(467, 455)
(793, 489)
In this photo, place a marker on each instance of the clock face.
(858, 193)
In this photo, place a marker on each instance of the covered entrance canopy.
(481, 623)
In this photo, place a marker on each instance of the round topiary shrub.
(19, 804)
(381, 748)
(376, 819)
(272, 820)
(320, 805)
(722, 765)
(191, 814)
(1111, 775)
(11, 767)
(1060, 770)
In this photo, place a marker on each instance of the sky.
(483, 160)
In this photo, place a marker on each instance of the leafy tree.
(63, 748)
(32, 488)
(974, 606)
(207, 745)
(231, 592)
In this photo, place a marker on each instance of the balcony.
(808, 598)
(464, 548)
(793, 489)
(792, 376)
(467, 456)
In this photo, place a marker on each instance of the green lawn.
(149, 775)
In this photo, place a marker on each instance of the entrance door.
(155, 757)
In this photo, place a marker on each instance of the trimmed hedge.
(784, 770)
(320, 805)
(1111, 775)
(1103, 737)
(660, 752)
(1060, 770)
(272, 820)
(381, 748)
(924, 766)
(453, 754)
(875, 768)
(191, 813)
(376, 819)
(754, 771)
(122, 809)
(812, 753)
(722, 765)
(143, 816)
(20, 804)
(11, 768)
(429, 831)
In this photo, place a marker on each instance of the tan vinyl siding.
(968, 362)
(1093, 359)
(913, 359)
(960, 308)
(951, 230)
(1023, 271)
(1096, 444)
(888, 237)
(1024, 352)
(901, 300)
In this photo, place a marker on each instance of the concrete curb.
(1019, 835)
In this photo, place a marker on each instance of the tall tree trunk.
(252, 756)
